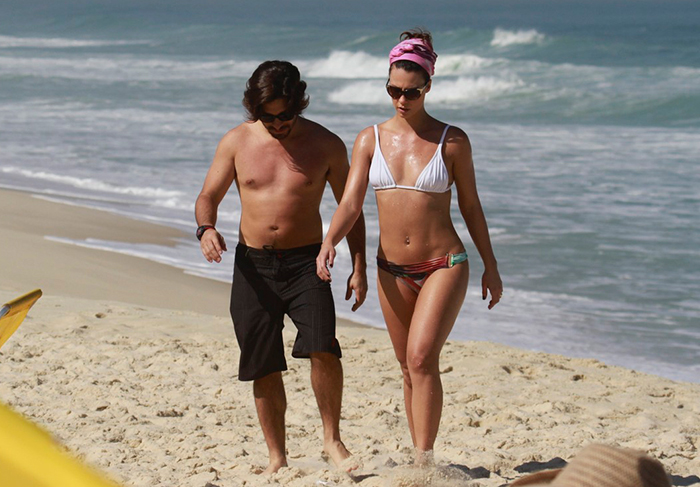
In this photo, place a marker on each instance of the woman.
(412, 160)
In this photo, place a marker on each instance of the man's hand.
(357, 282)
(324, 262)
(212, 245)
(491, 282)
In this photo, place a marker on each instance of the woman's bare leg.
(434, 315)
(397, 302)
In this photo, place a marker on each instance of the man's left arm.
(338, 169)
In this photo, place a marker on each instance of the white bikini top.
(433, 179)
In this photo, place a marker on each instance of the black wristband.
(200, 230)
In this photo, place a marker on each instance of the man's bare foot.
(341, 457)
(274, 466)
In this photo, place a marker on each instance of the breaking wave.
(505, 38)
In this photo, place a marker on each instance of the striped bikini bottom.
(414, 275)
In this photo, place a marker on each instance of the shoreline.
(30, 260)
(34, 223)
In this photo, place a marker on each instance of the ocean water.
(584, 118)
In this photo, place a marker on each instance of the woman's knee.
(422, 362)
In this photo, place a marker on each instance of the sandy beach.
(132, 365)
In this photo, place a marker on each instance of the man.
(281, 162)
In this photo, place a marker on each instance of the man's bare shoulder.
(322, 137)
(237, 134)
(235, 140)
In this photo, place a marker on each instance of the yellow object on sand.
(13, 313)
(29, 457)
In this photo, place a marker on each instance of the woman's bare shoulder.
(456, 135)
(365, 137)
(457, 141)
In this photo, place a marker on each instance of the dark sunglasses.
(409, 94)
(282, 117)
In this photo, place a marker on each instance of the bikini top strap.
(444, 133)
(376, 136)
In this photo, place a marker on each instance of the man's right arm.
(222, 173)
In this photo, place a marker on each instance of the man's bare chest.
(265, 168)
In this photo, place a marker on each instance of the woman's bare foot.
(274, 466)
(341, 457)
(424, 458)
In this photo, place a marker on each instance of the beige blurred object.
(603, 466)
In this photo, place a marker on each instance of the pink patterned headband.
(416, 50)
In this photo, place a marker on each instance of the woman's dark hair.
(417, 34)
(410, 66)
(271, 81)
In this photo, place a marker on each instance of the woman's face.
(407, 80)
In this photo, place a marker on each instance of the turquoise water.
(584, 120)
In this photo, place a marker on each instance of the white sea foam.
(683, 71)
(468, 89)
(123, 68)
(60, 43)
(359, 65)
(458, 64)
(504, 38)
(345, 64)
(94, 184)
(463, 89)
(338, 64)
(359, 93)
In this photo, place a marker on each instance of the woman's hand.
(357, 283)
(212, 245)
(491, 282)
(324, 261)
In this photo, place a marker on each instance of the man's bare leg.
(327, 383)
(271, 404)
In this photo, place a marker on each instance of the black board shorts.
(267, 284)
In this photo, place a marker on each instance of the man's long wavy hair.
(271, 81)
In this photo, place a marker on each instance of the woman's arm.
(337, 178)
(459, 150)
(350, 205)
